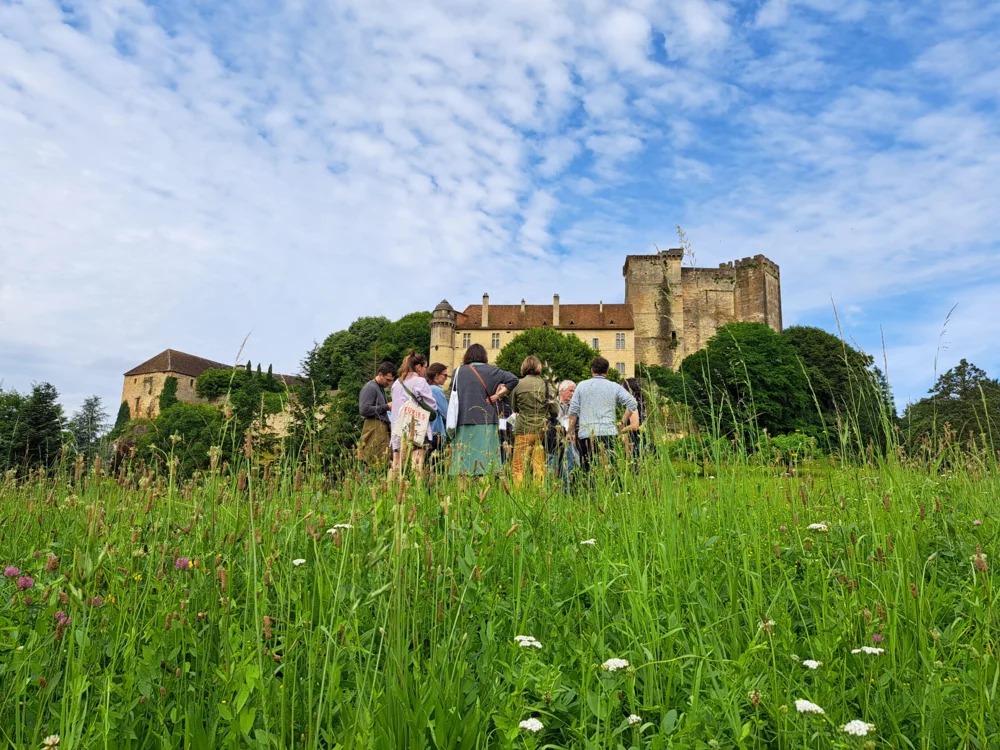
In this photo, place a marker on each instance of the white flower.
(766, 625)
(808, 707)
(817, 527)
(633, 719)
(527, 641)
(532, 725)
(612, 665)
(588, 542)
(868, 650)
(338, 526)
(298, 562)
(812, 663)
(51, 741)
(858, 728)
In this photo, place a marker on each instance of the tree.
(250, 395)
(348, 354)
(412, 331)
(168, 396)
(34, 427)
(964, 403)
(90, 423)
(747, 376)
(123, 418)
(567, 356)
(11, 413)
(199, 426)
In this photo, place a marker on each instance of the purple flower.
(10, 571)
(782, 528)
(977, 522)
(25, 582)
(62, 618)
(182, 563)
(877, 637)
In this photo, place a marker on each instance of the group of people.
(552, 432)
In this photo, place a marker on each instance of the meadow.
(738, 606)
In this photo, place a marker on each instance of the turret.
(443, 323)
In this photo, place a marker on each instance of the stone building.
(670, 311)
(144, 383)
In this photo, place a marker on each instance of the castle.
(670, 311)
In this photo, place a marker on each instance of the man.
(563, 456)
(593, 423)
(373, 447)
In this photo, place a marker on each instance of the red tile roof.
(571, 317)
(171, 360)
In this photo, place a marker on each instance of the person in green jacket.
(535, 408)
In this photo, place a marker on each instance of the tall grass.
(398, 631)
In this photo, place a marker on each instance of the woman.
(535, 411)
(563, 456)
(478, 386)
(437, 376)
(411, 385)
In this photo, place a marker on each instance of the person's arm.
(508, 382)
(631, 418)
(368, 405)
(630, 423)
(574, 415)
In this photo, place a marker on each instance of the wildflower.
(977, 522)
(25, 582)
(137, 577)
(62, 618)
(612, 665)
(527, 641)
(337, 526)
(52, 564)
(532, 725)
(868, 650)
(298, 562)
(782, 528)
(808, 707)
(754, 696)
(182, 563)
(51, 741)
(11, 572)
(858, 728)
(811, 663)
(818, 527)
(877, 637)
(588, 542)
(766, 625)
(633, 719)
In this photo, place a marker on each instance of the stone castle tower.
(677, 309)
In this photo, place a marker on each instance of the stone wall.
(654, 289)
(709, 303)
(142, 393)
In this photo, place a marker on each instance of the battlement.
(756, 261)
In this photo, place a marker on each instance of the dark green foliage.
(30, 428)
(123, 418)
(89, 425)
(259, 373)
(412, 331)
(270, 373)
(168, 396)
(567, 356)
(747, 377)
(249, 369)
(200, 426)
(249, 394)
(669, 383)
(963, 404)
(346, 354)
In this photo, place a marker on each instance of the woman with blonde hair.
(535, 409)
(411, 435)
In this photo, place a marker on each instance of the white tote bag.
(452, 422)
(412, 423)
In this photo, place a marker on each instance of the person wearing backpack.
(476, 389)
(535, 410)
(412, 429)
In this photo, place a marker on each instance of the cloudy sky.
(182, 174)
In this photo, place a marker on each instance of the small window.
(619, 341)
(495, 342)
(596, 343)
(673, 335)
(191, 382)
(135, 380)
(136, 409)
(466, 340)
(620, 366)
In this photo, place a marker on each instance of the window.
(620, 366)
(496, 341)
(191, 382)
(466, 340)
(619, 341)
(596, 344)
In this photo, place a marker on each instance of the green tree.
(199, 427)
(748, 376)
(348, 354)
(250, 395)
(88, 425)
(12, 406)
(35, 425)
(412, 331)
(168, 396)
(963, 404)
(567, 356)
(123, 418)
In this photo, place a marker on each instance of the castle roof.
(171, 360)
(571, 317)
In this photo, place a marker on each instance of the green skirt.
(476, 450)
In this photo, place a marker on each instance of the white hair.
(565, 384)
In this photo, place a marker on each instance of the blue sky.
(182, 174)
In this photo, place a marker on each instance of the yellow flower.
(137, 577)
(190, 564)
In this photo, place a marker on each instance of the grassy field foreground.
(662, 612)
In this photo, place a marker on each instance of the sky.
(198, 174)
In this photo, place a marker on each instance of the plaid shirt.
(594, 404)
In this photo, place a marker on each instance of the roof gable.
(171, 360)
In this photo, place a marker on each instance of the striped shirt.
(594, 404)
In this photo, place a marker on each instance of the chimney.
(486, 311)
(601, 307)
(522, 305)
(555, 310)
